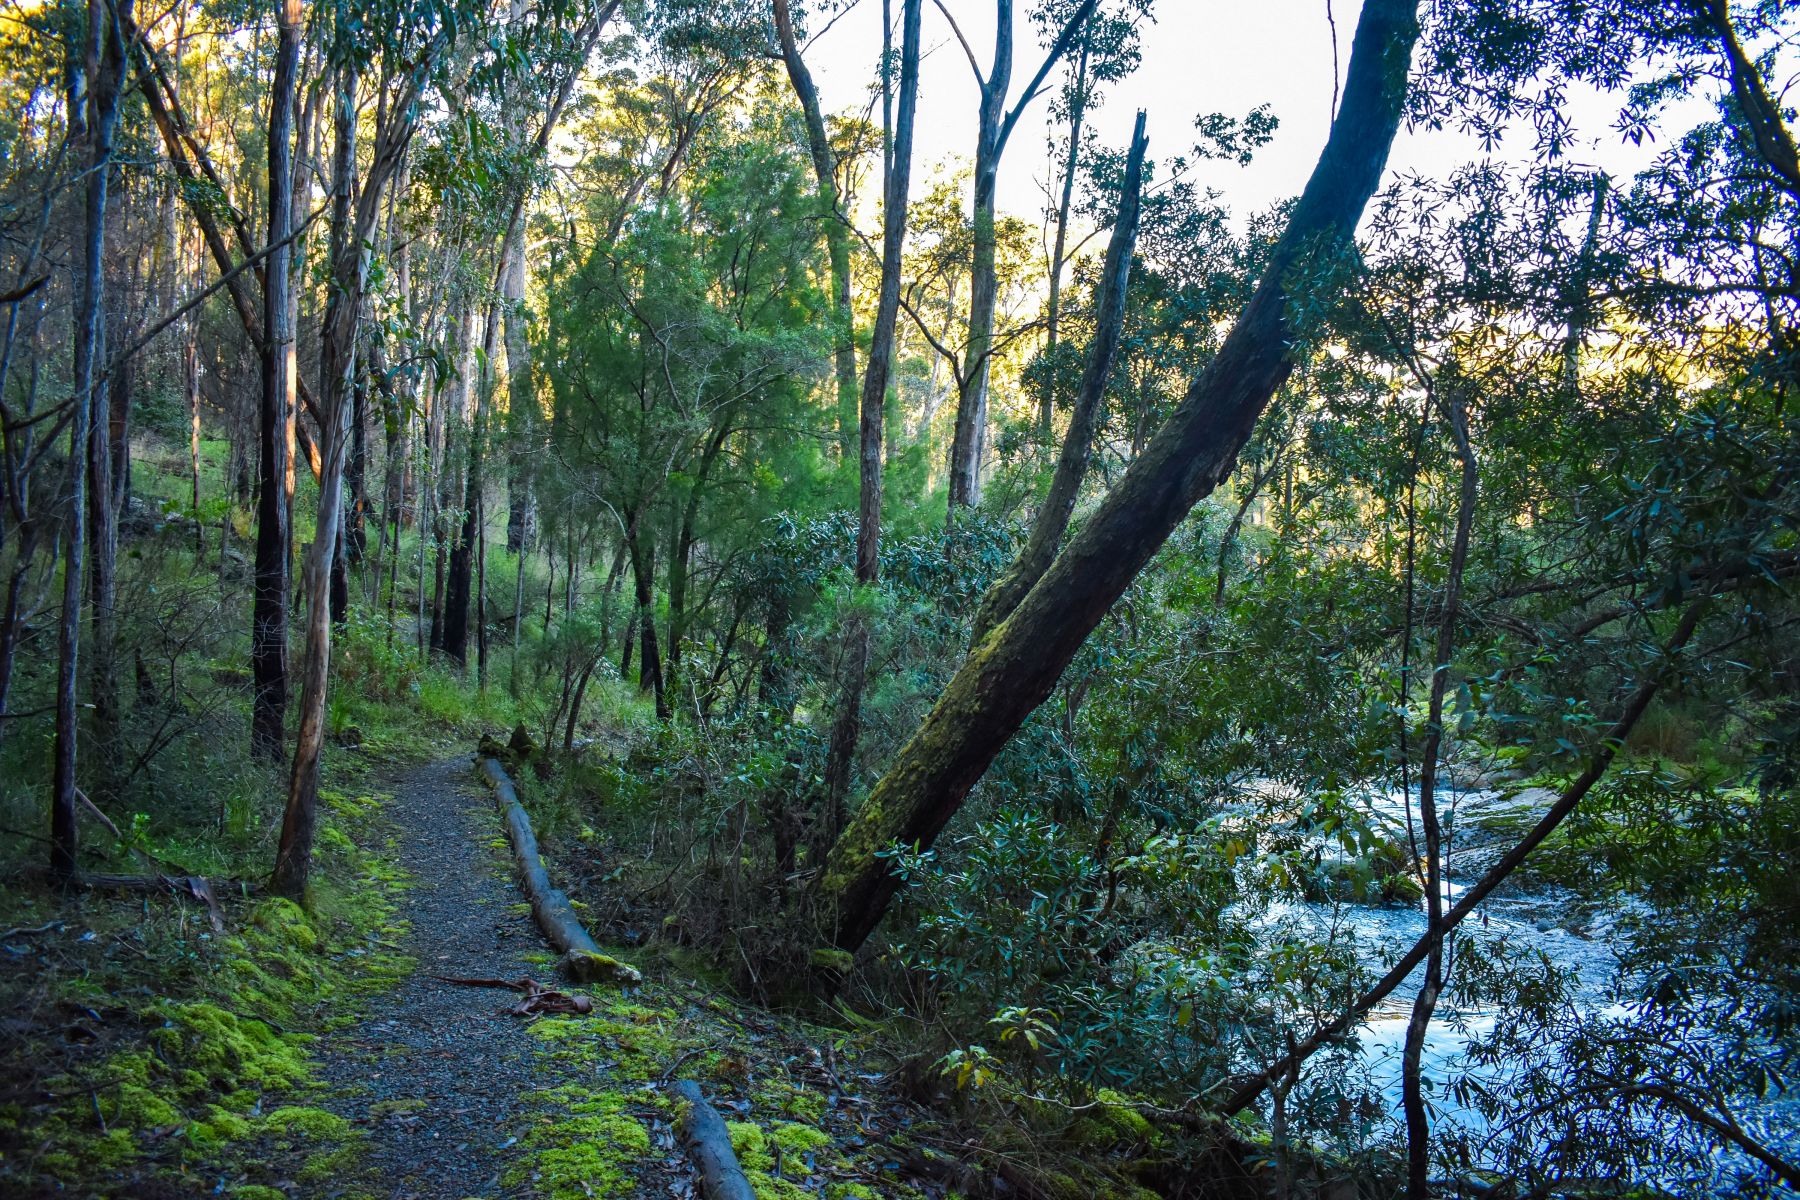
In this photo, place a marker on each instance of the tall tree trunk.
(274, 535)
(356, 470)
(642, 548)
(837, 234)
(1059, 248)
(462, 557)
(846, 730)
(682, 550)
(92, 123)
(1077, 451)
(1412, 1092)
(521, 412)
(1016, 667)
(351, 227)
(103, 548)
(994, 126)
(337, 366)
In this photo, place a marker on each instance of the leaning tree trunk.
(101, 55)
(846, 730)
(1010, 673)
(1071, 469)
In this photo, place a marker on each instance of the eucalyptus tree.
(831, 213)
(896, 193)
(93, 117)
(403, 47)
(997, 117)
(1011, 672)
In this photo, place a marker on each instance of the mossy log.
(582, 960)
(708, 1143)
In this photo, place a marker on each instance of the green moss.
(759, 1153)
(796, 1138)
(589, 1150)
(133, 1107)
(256, 1191)
(586, 966)
(227, 1048)
(841, 962)
(330, 1164)
(313, 1123)
(1113, 1121)
(220, 1128)
(180, 1099)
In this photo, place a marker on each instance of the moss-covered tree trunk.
(1010, 673)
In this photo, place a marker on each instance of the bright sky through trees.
(1200, 56)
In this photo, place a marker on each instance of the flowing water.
(1575, 935)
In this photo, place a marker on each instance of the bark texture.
(1078, 444)
(846, 730)
(1010, 673)
(274, 532)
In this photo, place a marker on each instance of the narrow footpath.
(439, 1076)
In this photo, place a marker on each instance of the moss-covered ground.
(150, 1053)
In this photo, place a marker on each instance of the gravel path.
(436, 1072)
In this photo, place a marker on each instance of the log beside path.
(582, 960)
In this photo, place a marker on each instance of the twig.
(21, 931)
(681, 1062)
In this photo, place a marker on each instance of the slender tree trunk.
(1412, 1092)
(103, 546)
(994, 125)
(337, 368)
(1017, 666)
(846, 730)
(351, 227)
(1077, 451)
(463, 555)
(643, 576)
(1059, 249)
(837, 235)
(274, 536)
(683, 549)
(190, 361)
(93, 122)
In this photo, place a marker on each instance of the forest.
(770, 599)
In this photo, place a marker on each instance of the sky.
(1199, 56)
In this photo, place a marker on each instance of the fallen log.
(708, 1143)
(582, 960)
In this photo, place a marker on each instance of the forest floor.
(439, 1075)
(283, 1054)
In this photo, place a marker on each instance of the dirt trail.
(437, 1074)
